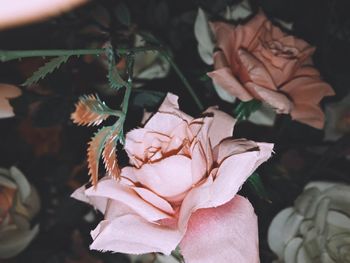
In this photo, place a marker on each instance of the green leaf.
(123, 14)
(46, 69)
(245, 109)
(255, 183)
(114, 78)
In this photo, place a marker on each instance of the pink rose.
(259, 61)
(181, 189)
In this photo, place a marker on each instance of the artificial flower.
(257, 60)
(316, 228)
(337, 119)
(181, 189)
(7, 92)
(19, 203)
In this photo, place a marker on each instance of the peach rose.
(259, 61)
(181, 189)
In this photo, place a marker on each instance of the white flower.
(316, 229)
(19, 203)
(337, 119)
(7, 92)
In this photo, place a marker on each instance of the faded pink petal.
(221, 126)
(225, 234)
(276, 99)
(224, 78)
(169, 177)
(257, 72)
(154, 199)
(133, 235)
(111, 189)
(232, 172)
(257, 60)
(309, 114)
(7, 91)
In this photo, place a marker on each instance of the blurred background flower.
(337, 119)
(7, 92)
(19, 203)
(316, 228)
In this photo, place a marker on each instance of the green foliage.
(245, 108)
(255, 183)
(46, 69)
(114, 78)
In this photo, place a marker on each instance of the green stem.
(184, 80)
(7, 55)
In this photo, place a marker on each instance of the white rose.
(316, 229)
(19, 203)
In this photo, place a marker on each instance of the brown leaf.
(94, 152)
(86, 112)
(110, 157)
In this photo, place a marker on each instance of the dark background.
(43, 142)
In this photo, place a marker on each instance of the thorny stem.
(8, 55)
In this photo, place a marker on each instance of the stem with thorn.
(8, 55)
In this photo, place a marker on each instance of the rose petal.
(230, 147)
(230, 176)
(256, 70)
(311, 115)
(133, 235)
(169, 177)
(154, 199)
(305, 89)
(224, 234)
(277, 100)
(225, 79)
(221, 127)
(111, 189)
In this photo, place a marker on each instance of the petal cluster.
(257, 60)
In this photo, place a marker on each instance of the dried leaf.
(110, 157)
(95, 150)
(90, 110)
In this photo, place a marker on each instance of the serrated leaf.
(255, 183)
(114, 78)
(109, 155)
(90, 110)
(95, 150)
(123, 14)
(245, 108)
(46, 69)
